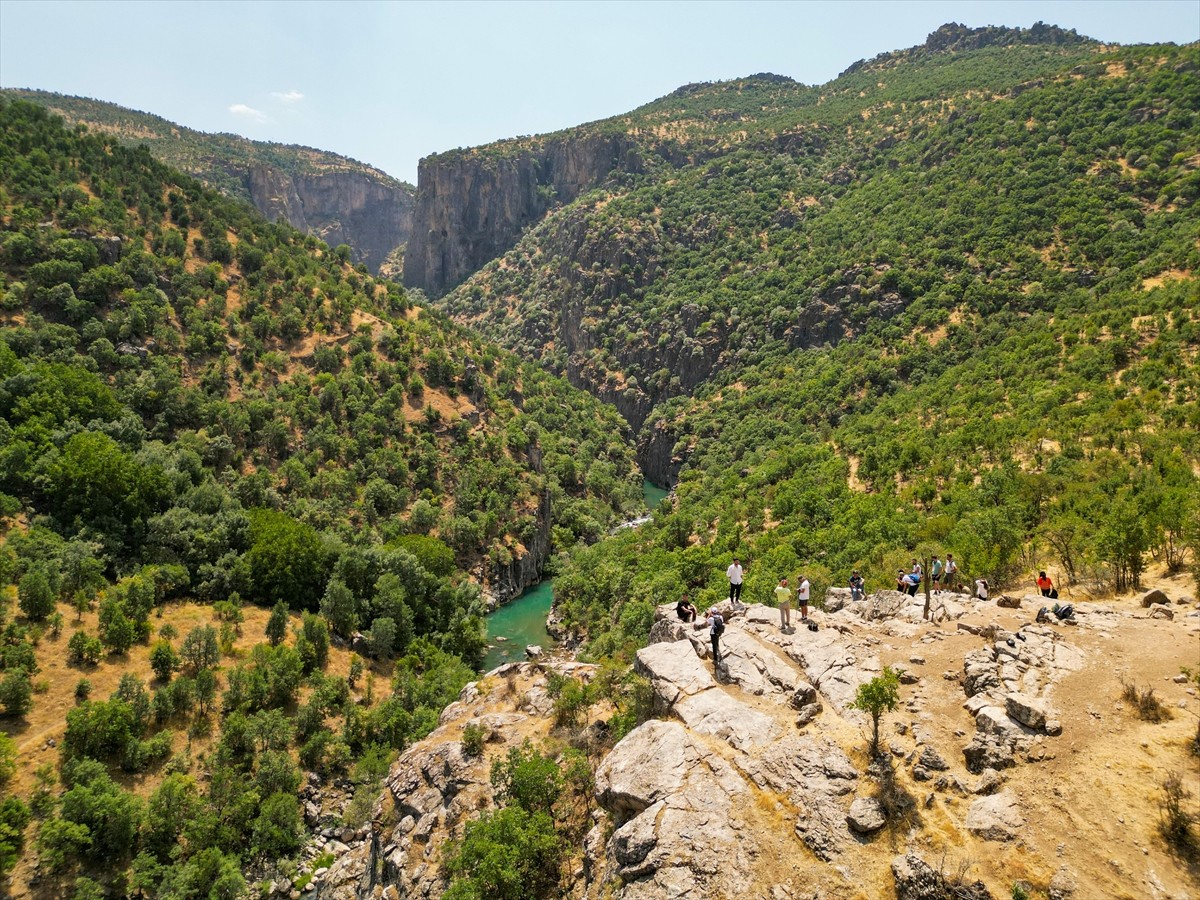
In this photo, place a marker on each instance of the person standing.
(857, 586)
(734, 574)
(935, 573)
(783, 599)
(716, 627)
(802, 593)
(951, 572)
(918, 570)
(1046, 586)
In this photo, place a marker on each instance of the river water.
(523, 621)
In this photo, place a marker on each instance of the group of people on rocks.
(943, 576)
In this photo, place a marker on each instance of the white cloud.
(248, 112)
(287, 96)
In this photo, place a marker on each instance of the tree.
(287, 558)
(83, 649)
(339, 607)
(16, 693)
(164, 660)
(313, 643)
(276, 831)
(509, 854)
(277, 625)
(879, 695)
(528, 778)
(35, 596)
(200, 649)
(382, 638)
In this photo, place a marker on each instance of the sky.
(389, 83)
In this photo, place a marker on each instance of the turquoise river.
(523, 621)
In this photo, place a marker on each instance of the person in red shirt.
(1046, 586)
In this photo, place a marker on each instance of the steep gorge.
(471, 206)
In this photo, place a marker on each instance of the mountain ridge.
(334, 197)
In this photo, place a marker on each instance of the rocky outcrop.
(472, 205)
(917, 880)
(371, 214)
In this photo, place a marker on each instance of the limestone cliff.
(471, 206)
(752, 782)
(372, 215)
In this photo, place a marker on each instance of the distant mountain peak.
(954, 37)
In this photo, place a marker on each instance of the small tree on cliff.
(879, 695)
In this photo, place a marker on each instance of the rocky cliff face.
(372, 216)
(752, 780)
(471, 206)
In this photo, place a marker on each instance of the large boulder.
(753, 667)
(1029, 711)
(674, 670)
(995, 818)
(1153, 596)
(675, 804)
(717, 713)
(648, 764)
(836, 599)
(866, 815)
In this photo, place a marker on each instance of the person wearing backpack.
(716, 628)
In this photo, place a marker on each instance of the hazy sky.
(388, 83)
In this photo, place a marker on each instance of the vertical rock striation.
(372, 215)
(472, 205)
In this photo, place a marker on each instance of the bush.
(1175, 822)
(473, 739)
(509, 854)
(1144, 702)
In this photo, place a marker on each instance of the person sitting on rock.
(857, 586)
(981, 589)
(1046, 586)
(685, 610)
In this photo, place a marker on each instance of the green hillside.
(946, 301)
(199, 406)
(217, 160)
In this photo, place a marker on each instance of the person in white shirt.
(802, 593)
(734, 574)
(951, 573)
(981, 588)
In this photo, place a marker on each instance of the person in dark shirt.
(685, 610)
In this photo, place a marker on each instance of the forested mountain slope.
(198, 405)
(340, 200)
(948, 297)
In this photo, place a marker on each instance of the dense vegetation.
(219, 161)
(945, 302)
(196, 405)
